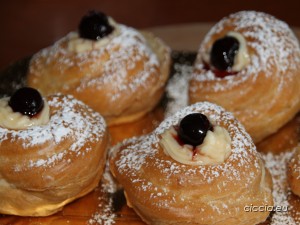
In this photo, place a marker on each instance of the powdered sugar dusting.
(131, 50)
(177, 88)
(106, 215)
(140, 150)
(295, 165)
(69, 118)
(124, 63)
(272, 44)
(50, 161)
(277, 165)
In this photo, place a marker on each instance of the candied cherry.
(27, 101)
(193, 128)
(94, 26)
(223, 52)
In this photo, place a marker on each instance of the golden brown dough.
(263, 94)
(123, 78)
(294, 172)
(164, 191)
(42, 168)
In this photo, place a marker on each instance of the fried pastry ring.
(164, 191)
(122, 75)
(262, 86)
(42, 168)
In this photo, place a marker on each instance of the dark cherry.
(193, 128)
(27, 101)
(223, 52)
(94, 26)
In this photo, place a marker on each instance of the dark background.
(29, 25)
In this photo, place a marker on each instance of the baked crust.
(123, 80)
(163, 191)
(45, 167)
(264, 94)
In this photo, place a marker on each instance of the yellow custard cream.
(241, 59)
(215, 148)
(17, 121)
(78, 44)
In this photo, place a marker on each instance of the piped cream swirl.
(215, 148)
(79, 45)
(242, 57)
(17, 121)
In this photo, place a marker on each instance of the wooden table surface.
(27, 26)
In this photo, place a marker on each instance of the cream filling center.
(78, 44)
(242, 57)
(17, 121)
(215, 148)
